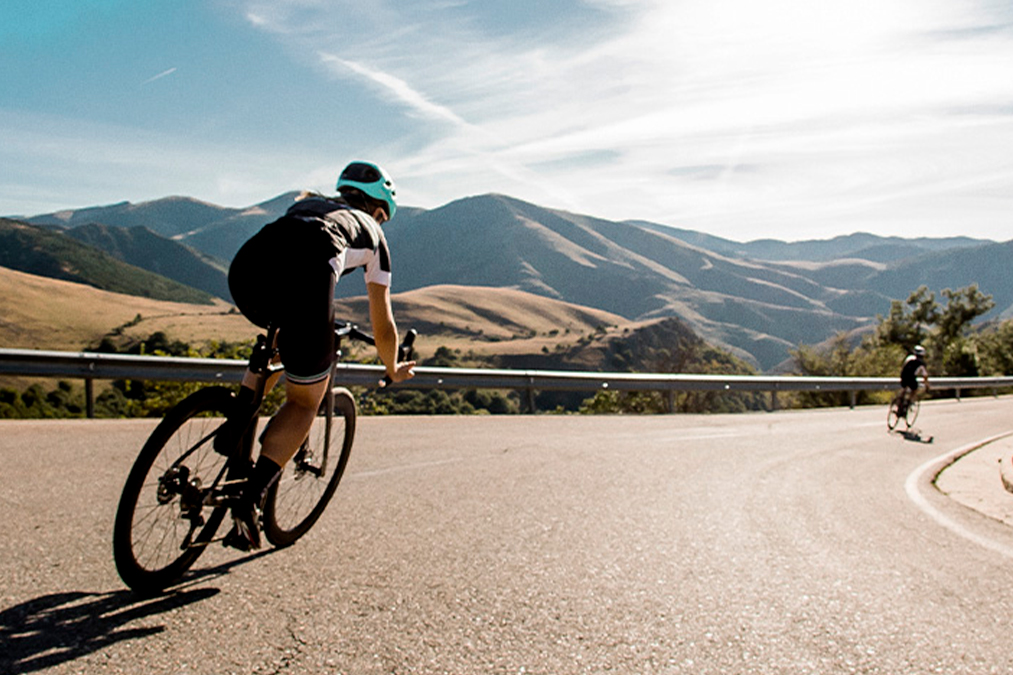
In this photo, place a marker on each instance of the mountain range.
(758, 299)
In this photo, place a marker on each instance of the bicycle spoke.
(162, 512)
(307, 483)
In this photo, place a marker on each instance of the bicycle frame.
(197, 461)
(261, 363)
(228, 484)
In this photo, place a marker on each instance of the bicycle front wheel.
(307, 483)
(912, 413)
(162, 525)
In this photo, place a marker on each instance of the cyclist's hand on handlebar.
(405, 370)
(405, 367)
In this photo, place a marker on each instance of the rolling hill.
(170, 217)
(758, 299)
(48, 253)
(489, 321)
(43, 313)
(756, 309)
(143, 248)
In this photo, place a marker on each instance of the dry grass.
(487, 320)
(42, 313)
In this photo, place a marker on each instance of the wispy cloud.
(397, 88)
(842, 112)
(164, 73)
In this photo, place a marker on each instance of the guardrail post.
(670, 401)
(89, 397)
(853, 397)
(773, 401)
(531, 395)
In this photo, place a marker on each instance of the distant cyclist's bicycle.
(181, 486)
(901, 408)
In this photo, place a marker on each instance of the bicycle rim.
(161, 527)
(912, 413)
(308, 481)
(892, 417)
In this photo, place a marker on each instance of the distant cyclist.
(285, 274)
(914, 377)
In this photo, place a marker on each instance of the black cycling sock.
(264, 473)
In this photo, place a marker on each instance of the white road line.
(935, 466)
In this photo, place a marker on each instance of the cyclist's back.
(913, 372)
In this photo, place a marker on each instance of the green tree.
(908, 322)
(946, 332)
(962, 307)
(994, 347)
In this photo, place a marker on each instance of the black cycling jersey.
(909, 372)
(285, 274)
(351, 233)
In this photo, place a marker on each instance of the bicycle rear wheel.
(307, 483)
(162, 525)
(892, 416)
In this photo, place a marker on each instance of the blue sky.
(792, 119)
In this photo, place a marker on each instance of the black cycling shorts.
(277, 280)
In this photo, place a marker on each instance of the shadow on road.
(915, 435)
(60, 627)
(53, 629)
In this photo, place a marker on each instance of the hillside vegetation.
(140, 247)
(35, 250)
(757, 299)
(42, 313)
(458, 326)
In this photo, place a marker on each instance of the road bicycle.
(181, 485)
(901, 408)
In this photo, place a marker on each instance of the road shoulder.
(973, 480)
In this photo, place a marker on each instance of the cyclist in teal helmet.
(372, 182)
(285, 275)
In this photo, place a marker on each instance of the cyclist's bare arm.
(381, 317)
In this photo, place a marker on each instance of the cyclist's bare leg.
(915, 395)
(291, 424)
(281, 439)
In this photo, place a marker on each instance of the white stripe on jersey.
(350, 258)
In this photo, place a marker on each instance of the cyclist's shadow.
(53, 629)
(915, 435)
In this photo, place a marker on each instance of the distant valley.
(758, 299)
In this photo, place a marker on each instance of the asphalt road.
(793, 542)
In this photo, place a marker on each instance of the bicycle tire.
(150, 531)
(892, 418)
(912, 413)
(298, 498)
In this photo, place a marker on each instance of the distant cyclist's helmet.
(919, 351)
(372, 181)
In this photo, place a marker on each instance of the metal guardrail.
(91, 366)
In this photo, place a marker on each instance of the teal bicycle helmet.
(372, 181)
